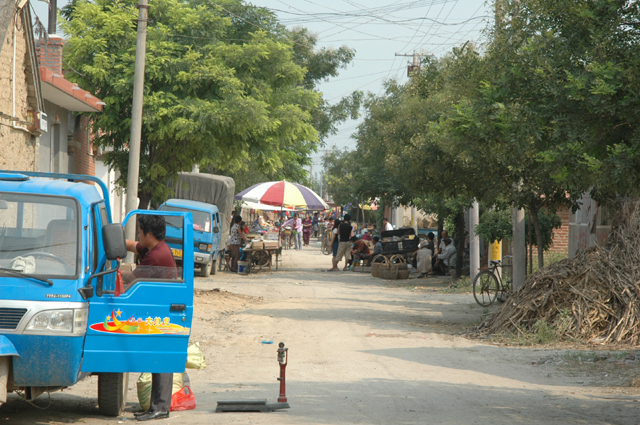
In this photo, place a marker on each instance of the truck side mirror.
(216, 229)
(115, 245)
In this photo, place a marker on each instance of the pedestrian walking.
(306, 229)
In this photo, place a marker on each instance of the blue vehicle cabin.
(206, 233)
(64, 315)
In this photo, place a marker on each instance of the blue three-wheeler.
(62, 315)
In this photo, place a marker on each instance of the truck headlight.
(204, 247)
(54, 321)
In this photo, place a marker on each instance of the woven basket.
(377, 267)
(398, 262)
(388, 274)
(403, 274)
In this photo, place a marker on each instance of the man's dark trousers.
(161, 385)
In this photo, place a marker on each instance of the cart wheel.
(112, 393)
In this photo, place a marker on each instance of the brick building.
(21, 101)
(67, 145)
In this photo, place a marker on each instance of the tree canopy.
(543, 112)
(226, 88)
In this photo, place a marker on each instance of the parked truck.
(64, 315)
(208, 193)
(206, 233)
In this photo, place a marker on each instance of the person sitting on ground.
(423, 259)
(366, 236)
(360, 249)
(430, 242)
(377, 247)
(447, 259)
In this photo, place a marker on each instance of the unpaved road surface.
(361, 351)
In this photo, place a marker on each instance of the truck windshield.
(38, 234)
(201, 220)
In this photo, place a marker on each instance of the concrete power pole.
(474, 241)
(136, 119)
(519, 248)
(519, 242)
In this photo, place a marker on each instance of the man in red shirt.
(156, 262)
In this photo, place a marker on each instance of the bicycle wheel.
(325, 248)
(485, 288)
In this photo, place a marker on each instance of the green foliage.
(495, 225)
(226, 87)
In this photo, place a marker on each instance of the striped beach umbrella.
(283, 194)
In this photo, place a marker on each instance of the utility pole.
(519, 248)
(415, 65)
(136, 119)
(53, 15)
(474, 241)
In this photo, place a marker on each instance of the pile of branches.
(595, 296)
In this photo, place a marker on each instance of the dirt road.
(361, 351)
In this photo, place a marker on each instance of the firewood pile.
(592, 297)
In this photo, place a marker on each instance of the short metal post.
(283, 358)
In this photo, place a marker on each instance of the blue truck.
(206, 233)
(63, 315)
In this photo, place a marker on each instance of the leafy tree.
(225, 88)
(341, 175)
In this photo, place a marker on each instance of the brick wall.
(50, 53)
(82, 151)
(560, 243)
(561, 235)
(18, 148)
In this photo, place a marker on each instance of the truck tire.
(213, 267)
(205, 269)
(112, 393)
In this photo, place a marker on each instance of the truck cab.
(206, 233)
(64, 315)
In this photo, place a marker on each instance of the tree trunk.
(440, 227)
(539, 242)
(459, 242)
(145, 199)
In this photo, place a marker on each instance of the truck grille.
(10, 317)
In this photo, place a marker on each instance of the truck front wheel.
(112, 393)
(205, 269)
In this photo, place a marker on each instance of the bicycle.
(325, 246)
(287, 237)
(489, 286)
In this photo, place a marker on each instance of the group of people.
(346, 245)
(439, 264)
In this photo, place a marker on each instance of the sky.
(377, 30)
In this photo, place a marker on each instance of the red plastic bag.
(183, 400)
